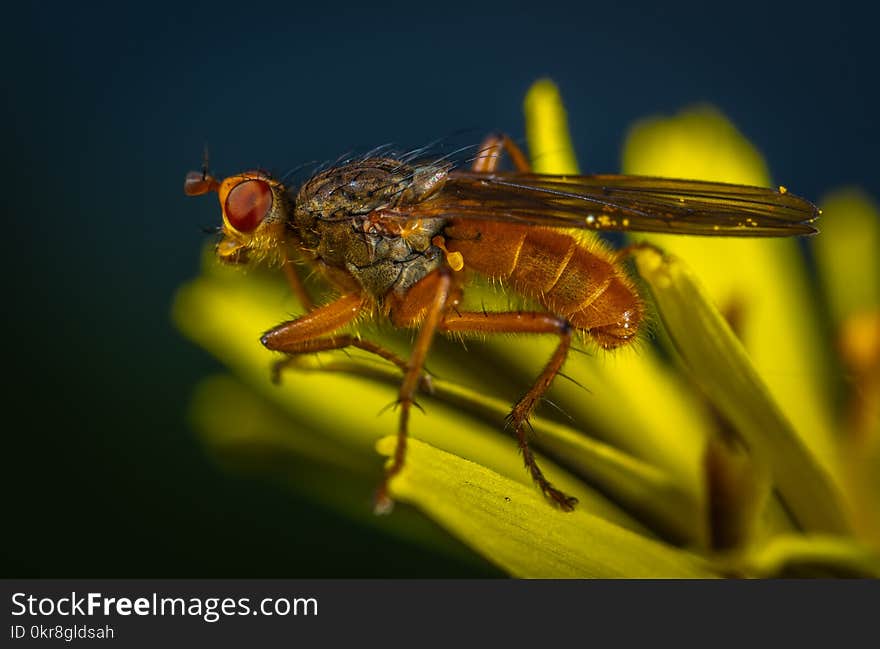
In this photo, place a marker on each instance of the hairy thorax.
(349, 218)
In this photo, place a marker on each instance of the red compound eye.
(247, 204)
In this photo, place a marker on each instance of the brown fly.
(400, 239)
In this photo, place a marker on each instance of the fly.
(401, 240)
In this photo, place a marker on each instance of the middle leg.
(424, 304)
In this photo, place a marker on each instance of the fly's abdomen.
(569, 278)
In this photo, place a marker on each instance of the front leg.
(295, 281)
(313, 333)
(324, 320)
(341, 341)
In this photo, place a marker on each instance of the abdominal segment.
(578, 281)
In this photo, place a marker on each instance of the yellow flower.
(709, 453)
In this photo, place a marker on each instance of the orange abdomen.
(569, 278)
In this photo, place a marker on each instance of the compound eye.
(247, 204)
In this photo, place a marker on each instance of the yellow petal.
(550, 146)
(641, 487)
(812, 555)
(765, 278)
(719, 365)
(848, 260)
(512, 526)
(848, 253)
(699, 143)
(245, 433)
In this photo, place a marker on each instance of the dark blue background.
(107, 107)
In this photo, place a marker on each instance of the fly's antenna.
(201, 182)
(206, 158)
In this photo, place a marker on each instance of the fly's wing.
(626, 203)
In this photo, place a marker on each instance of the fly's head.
(255, 212)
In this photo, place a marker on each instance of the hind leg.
(534, 323)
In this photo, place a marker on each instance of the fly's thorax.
(395, 262)
(358, 188)
(353, 217)
(383, 255)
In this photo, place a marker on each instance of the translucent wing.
(627, 203)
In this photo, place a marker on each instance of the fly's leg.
(424, 303)
(341, 341)
(296, 283)
(627, 251)
(533, 323)
(489, 154)
(311, 333)
(318, 322)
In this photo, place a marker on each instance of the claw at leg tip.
(383, 504)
